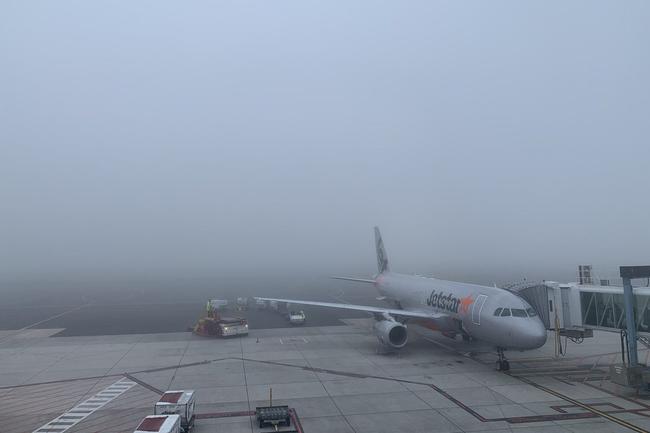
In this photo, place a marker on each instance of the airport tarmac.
(161, 310)
(333, 376)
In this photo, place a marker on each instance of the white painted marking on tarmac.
(18, 331)
(293, 340)
(86, 408)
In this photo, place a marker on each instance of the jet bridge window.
(497, 312)
(519, 313)
(607, 310)
(505, 312)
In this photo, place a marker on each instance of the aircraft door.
(477, 308)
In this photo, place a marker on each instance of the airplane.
(489, 314)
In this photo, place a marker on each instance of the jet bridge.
(604, 308)
(558, 306)
(573, 308)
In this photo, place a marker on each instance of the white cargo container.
(218, 304)
(160, 424)
(179, 403)
(242, 302)
(297, 317)
(233, 326)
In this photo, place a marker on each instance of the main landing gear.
(502, 362)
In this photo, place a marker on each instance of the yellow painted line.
(548, 390)
(586, 407)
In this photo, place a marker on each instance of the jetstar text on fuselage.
(448, 302)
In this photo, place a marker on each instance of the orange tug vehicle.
(214, 325)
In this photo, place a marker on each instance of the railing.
(643, 340)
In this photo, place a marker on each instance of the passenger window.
(497, 312)
(531, 312)
(505, 312)
(519, 313)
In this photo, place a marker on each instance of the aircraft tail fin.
(382, 258)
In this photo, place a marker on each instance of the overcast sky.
(484, 138)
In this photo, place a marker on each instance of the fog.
(191, 142)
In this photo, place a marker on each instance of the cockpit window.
(516, 312)
(519, 313)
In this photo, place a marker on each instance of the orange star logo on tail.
(465, 303)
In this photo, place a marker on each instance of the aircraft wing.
(357, 280)
(374, 310)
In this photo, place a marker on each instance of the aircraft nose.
(537, 337)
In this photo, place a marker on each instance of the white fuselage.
(474, 310)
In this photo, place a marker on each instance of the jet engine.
(391, 333)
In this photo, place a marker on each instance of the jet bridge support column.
(630, 321)
(627, 274)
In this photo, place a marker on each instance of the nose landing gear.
(502, 362)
